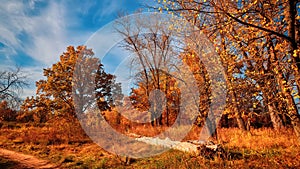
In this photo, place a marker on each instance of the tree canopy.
(78, 77)
(258, 42)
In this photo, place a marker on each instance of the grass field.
(66, 146)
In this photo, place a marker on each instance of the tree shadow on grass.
(9, 164)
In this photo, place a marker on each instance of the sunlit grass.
(66, 145)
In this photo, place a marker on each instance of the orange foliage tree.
(6, 113)
(258, 41)
(62, 86)
(167, 102)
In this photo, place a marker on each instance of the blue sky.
(34, 33)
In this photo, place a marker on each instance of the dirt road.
(25, 161)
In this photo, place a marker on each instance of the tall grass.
(63, 141)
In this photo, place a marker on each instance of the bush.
(6, 113)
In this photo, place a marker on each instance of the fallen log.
(206, 149)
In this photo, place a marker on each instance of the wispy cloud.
(33, 74)
(111, 6)
(44, 32)
(39, 36)
(40, 30)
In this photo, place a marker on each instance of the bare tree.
(155, 54)
(12, 83)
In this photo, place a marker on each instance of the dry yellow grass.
(259, 148)
(258, 139)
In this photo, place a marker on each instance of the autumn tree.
(263, 35)
(6, 113)
(160, 53)
(166, 103)
(197, 67)
(78, 78)
(154, 54)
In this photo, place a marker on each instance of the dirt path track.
(26, 161)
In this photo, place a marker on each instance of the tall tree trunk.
(240, 122)
(292, 109)
(167, 101)
(228, 76)
(296, 125)
(238, 116)
(275, 118)
(209, 128)
(291, 19)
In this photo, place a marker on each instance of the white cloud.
(111, 6)
(47, 33)
(27, 92)
(33, 74)
(44, 37)
(43, 33)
